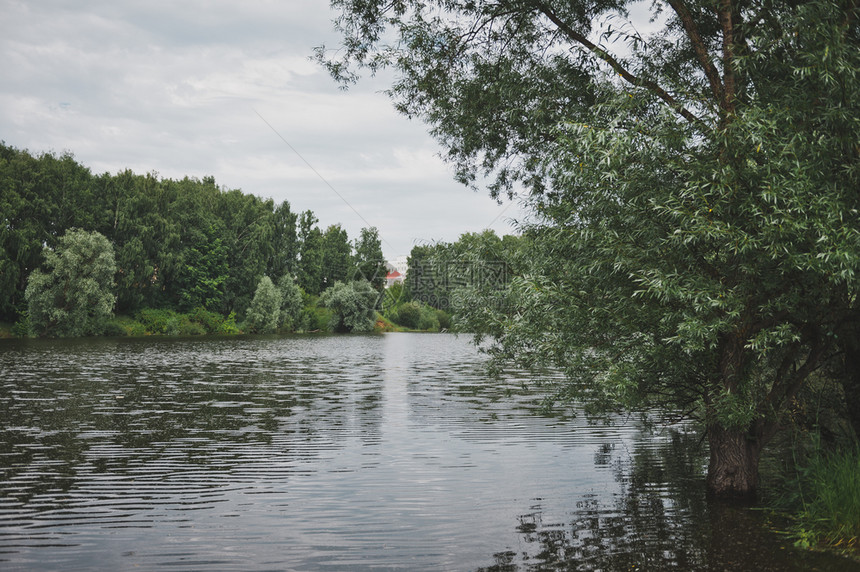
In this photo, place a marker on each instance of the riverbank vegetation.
(129, 255)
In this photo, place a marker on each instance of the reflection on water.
(340, 453)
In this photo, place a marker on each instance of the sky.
(228, 89)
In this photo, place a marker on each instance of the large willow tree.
(695, 189)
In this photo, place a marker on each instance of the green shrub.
(444, 319)
(831, 497)
(21, 328)
(73, 295)
(314, 319)
(428, 320)
(157, 321)
(264, 313)
(210, 321)
(823, 497)
(352, 306)
(291, 304)
(228, 325)
(408, 314)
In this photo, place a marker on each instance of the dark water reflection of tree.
(663, 520)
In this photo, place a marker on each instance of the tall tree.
(248, 235)
(310, 254)
(284, 242)
(697, 226)
(336, 256)
(369, 261)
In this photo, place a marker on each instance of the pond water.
(378, 452)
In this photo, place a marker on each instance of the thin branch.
(616, 65)
(699, 47)
(730, 87)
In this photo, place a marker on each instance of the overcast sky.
(211, 87)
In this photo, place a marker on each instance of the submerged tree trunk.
(733, 466)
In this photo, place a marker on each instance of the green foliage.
(823, 498)
(21, 328)
(443, 318)
(369, 260)
(695, 237)
(167, 322)
(335, 256)
(264, 313)
(418, 316)
(428, 319)
(284, 242)
(121, 326)
(160, 321)
(292, 304)
(316, 319)
(352, 305)
(179, 244)
(74, 295)
(408, 314)
(310, 264)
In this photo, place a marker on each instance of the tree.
(696, 238)
(310, 266)
(369, 260)
(352, 304)
(335, 256)
(264, 313)
(248, 237)
(291, 303)
(284, 242)
(74, 295)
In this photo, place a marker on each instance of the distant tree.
(352, 305)
(285, 242)
(74, 295)
(310, 271)
(263, 315)
(426, 276)
(369, 260)
(291, 303)
(335, 256)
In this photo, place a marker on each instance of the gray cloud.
(180, 88)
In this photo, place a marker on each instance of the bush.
(820, 493)
(428, 320)
(352, 305)
(829, 487)
(210, 321)
(124, 326)
(74, 295)
(263, 315)
(159, 321)
(21, 328)
(228, 325)
(444, 319)
(291, 304)
(408, 314)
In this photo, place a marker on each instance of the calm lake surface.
(378, 452)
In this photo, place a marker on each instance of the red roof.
(394, 274)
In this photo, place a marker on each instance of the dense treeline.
(179, 245)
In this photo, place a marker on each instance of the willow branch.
(615, 64)
(699, 47)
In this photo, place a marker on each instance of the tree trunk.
(733, 467)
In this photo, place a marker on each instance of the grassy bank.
(820, 495)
